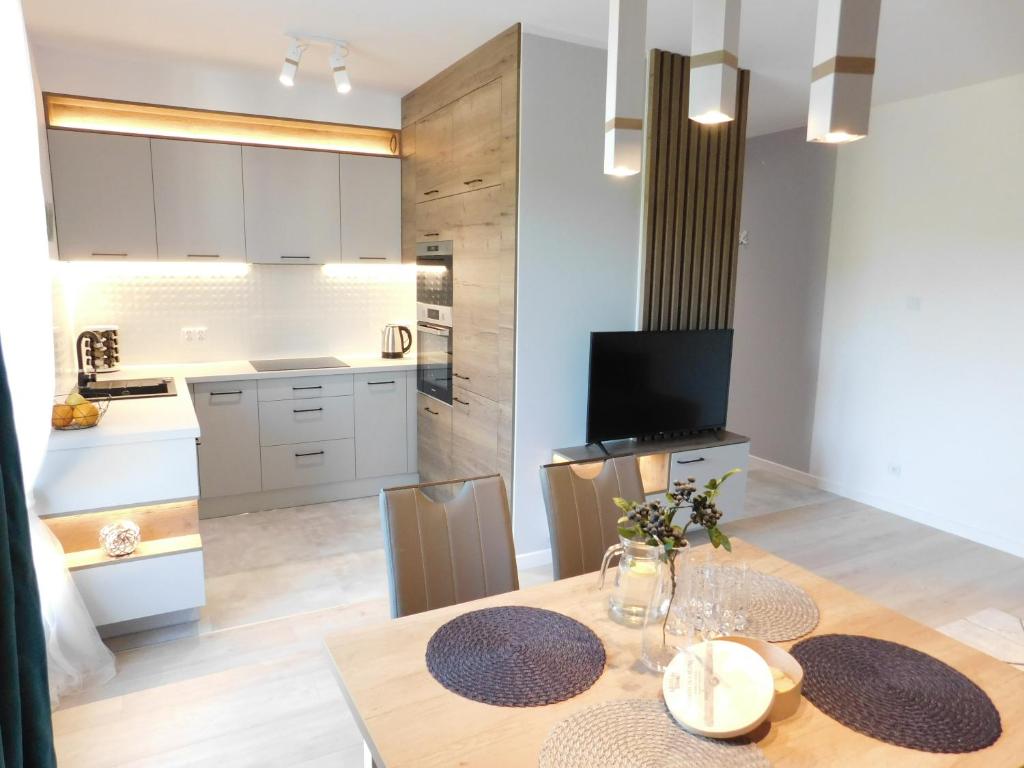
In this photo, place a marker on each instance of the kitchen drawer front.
(289, 466)
(305, 387)
(703, 464)
(229, 437)
(306, 420)
(135, 589)
(381, 424)
(434, 439)
(474, 434)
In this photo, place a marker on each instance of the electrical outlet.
(193, 333)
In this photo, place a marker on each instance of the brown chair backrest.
(581, 514)
(442, 553)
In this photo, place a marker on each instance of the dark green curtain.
(25, 725)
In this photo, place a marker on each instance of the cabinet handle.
(117, 254)
(461, 402)
(431, 191)
(472, 181)
(220, 394)
(689, 461)
(460, 376)
(318, 386)
(373, 258)
(202, 255)
(431, 234)
(378, 383)
(295, 257)
(313, 453)
(429, 410)
(306, 410)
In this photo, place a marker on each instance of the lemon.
(75, 399)
(62, 416)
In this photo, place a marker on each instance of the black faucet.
(98, 346)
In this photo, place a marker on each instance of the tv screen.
(650, 383)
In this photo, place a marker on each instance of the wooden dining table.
(408, 719)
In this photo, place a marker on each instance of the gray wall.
(578, 260)
(780, 294)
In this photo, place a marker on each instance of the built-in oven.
(434, 319)
(434, 351)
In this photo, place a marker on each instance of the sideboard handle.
(689, 461)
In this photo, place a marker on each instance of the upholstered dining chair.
(445, 552)
(581, 514)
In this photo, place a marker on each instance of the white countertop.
(172, 418)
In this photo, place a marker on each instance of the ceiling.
(924, 46)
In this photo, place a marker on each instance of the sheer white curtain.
(76, 654)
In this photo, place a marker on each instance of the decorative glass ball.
(120, 538)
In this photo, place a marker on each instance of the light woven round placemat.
(514, 656)
(896, 694)
(639, 733)
(778, 610)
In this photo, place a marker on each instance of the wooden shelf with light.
(83, 113)
(165, 529)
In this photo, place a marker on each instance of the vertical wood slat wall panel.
(692, 196)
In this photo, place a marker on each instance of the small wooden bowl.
(785, 703)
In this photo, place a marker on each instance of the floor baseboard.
(804, 478)
(533, 559)
(999, 541)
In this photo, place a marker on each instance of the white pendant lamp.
(627, 80)
(715, 41)
(844, 67)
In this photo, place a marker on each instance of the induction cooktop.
(297, 364)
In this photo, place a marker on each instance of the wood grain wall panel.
(693, 183)
(471, 84)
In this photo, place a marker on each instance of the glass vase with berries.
(665, 525)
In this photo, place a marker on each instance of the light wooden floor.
(250, 684)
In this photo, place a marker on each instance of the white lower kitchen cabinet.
(284, 422)
(381, 428)
(305, 439)
(229, 442)
(289, 466)
(704, 463)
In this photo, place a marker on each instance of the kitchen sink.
(127, 389)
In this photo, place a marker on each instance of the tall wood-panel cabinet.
(459, 183)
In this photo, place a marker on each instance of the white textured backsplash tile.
(249, 312)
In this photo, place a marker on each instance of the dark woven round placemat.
(514, 656)
(896, 694)
(639, 733)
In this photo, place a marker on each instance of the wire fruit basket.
(84, 415)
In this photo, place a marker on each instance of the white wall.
(780, 293)
(26, 322)
(578, 260)
(920, 407)
(261, 312)
(158, 78)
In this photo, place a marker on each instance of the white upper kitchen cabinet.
(198, 192)
(292, 206)
(102, 195)
(371, 210)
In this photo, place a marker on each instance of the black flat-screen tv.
(647, 384)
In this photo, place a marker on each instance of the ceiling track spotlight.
(338, 60)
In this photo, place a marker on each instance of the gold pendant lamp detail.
(627, 76)
(714, 62)
(843, 71)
